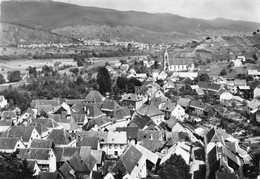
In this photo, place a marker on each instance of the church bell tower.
(165, 60)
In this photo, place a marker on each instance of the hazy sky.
(207, 9)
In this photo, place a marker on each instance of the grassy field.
(22, 65)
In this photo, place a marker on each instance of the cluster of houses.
(97, 137)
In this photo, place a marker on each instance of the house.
(25, 134)
(142, 122)
(151, 111)
(241, 58)
(53, 103)
(255, 103)
(171, 109)
(109, 106)
(3, 102)
(9, 115)
(132, 101)
(61, 138)
(237, 63)
(94, 97)
(168, 84)
(224, 95)
(132, 165)
(10, 145)
(5, 124)
(114, 144)
(257, 91)
(93, 142)
(214, 87)
(45, 158)
(203, 85)
(179, 149)
(131, 133)
(184, 102)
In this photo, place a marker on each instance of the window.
(116, 152)
(110, 146)
(115, 146)
(121, 146)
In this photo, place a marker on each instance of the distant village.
(208, 114)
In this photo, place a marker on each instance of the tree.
(2, 79)
(223, 72)
(175, 167)
(13, 167)
(32, 71)
(103, 80)
(121, 82)
(255, 57)
(14, 76)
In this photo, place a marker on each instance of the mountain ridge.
(57, 16)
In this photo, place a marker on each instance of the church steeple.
(165, 59)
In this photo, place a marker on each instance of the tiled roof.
(94, 96)
(149, 110)
(6, 122)
(65, 171)
(42, 143)
(214, 87)
(88, 141)
(197, 105)
(152, 145)
(65, 153)
(20, 131)
(131, 132)
(181, 61)
(128, 160)
(8, 143)
(60, 137)
(49, 122)
(35, 154)
(109, 105)
(203, 85)
(140, 121)
(48, 175)
(185, 102)
(8, 115)
(255, 103)
(97, 154)
(79, 117)
(131, 97)
(120, 113)
(39, 127)
(168, 106)
(77, 164)
(54, 102)
(92, 111)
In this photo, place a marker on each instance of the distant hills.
(91, 22)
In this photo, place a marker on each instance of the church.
(177, 64)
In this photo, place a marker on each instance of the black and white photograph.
(130, 89)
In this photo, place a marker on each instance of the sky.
(248, 10)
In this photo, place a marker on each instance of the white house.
(225, 96)
(114, 144)
(45, 158)
(257, 91)
(3, 102)
(237, 63)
